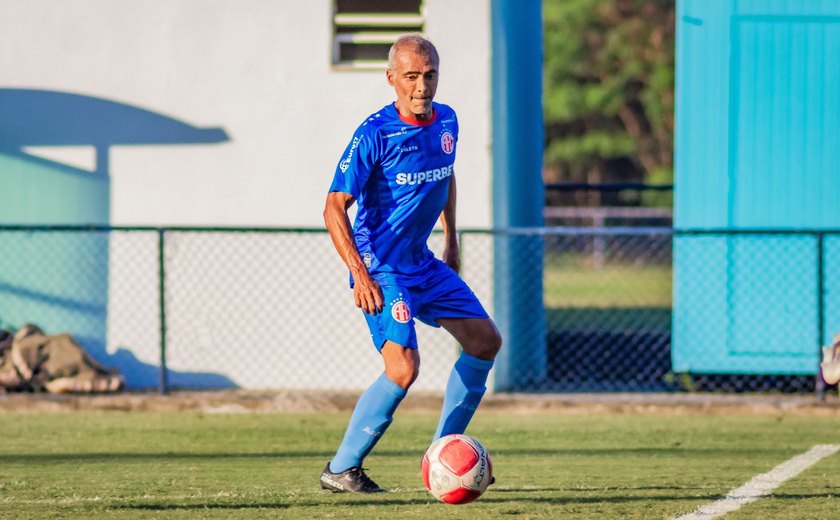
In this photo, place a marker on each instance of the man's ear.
(389, 75)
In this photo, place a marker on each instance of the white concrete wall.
(261, 70)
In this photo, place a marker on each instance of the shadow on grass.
(389, 501)
(571, 452)
(576, 489)
(385, 500)
(494, 496)
(803, 496)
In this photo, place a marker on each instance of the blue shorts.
(443, 294)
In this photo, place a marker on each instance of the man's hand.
(451, 248)
(452, 256)
(367, 293)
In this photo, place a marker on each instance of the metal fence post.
(819, 383)
(162, 302)
(518, 197)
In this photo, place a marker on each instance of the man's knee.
(485, 344)
(403, 374)
(402, 365)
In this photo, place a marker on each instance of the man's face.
(414, 78)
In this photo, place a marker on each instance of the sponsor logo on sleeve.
(345, 163)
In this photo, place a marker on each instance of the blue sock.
(371, 417)
(464, 391)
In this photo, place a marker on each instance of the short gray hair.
(416, 40)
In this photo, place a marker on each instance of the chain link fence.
(272, 308)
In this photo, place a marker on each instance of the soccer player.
(398, 169)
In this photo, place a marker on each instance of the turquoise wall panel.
(758, 127)
(772, 295)
(785, 127)
(748, 306)
(831, 294)
(702, 114)
(699, 300)
(56, 280)
(39, 191)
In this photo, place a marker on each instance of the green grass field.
(548, 465)
(616, 297)
(571, 284)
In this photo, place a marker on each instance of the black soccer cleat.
(352, 480)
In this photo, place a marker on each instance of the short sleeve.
(455, 117)
(356, 164)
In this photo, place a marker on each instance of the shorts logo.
(400, 312)
(447, 142)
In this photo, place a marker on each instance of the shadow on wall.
(59, 280)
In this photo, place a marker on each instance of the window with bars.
(364, 30)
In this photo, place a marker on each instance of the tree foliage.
(609, 90)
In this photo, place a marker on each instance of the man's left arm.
(451, 248)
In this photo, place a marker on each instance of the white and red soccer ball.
(456, 469)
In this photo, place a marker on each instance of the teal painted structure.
(518, 197)
(58, 296)
(71, 295)
(757, 147)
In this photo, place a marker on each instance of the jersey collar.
(414, 122)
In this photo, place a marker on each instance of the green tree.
(609, 91)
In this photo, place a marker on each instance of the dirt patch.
(276, 401)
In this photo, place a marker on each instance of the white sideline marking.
(763, 484)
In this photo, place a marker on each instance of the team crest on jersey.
(400, 311)
(447, 142)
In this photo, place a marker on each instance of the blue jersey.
(399, 174)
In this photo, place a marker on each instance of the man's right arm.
(366, 291)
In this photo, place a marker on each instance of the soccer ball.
(456, 469)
